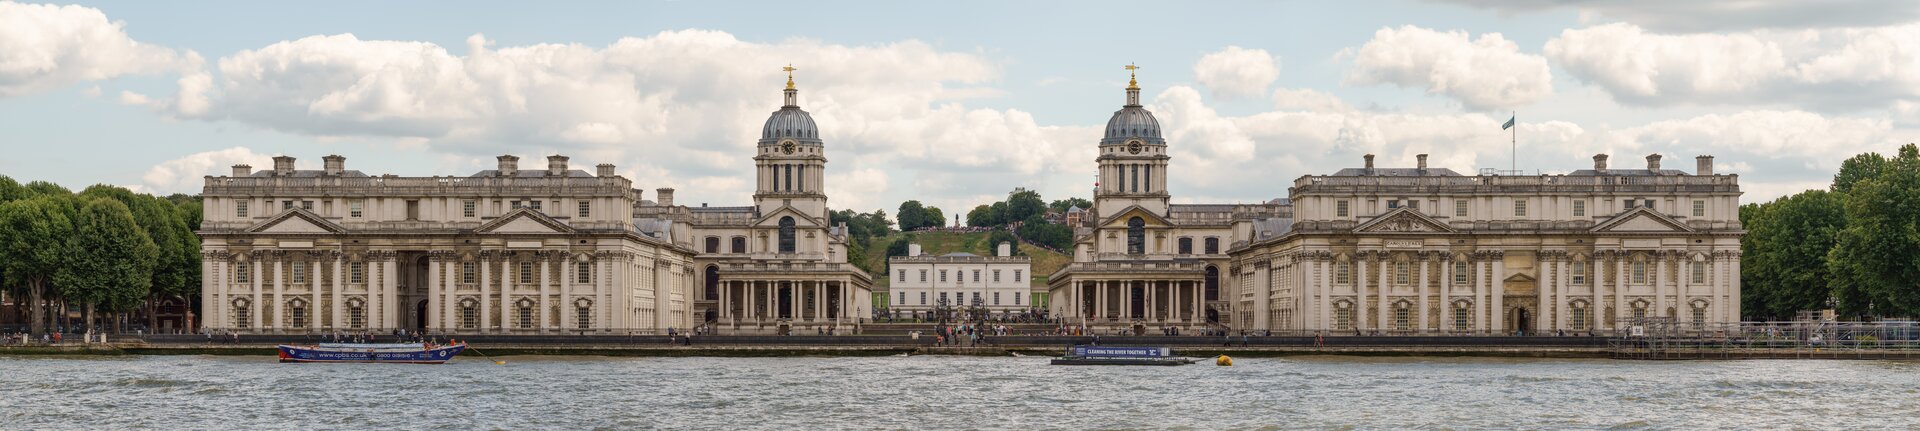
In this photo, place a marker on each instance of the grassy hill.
(1045, 262)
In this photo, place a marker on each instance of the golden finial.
(789, 70)
(1132, 81)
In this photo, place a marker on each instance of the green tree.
(1001, 235)
(935, 218)
(1038, 231)
(177, 264)
(33, 237)
(1783, 269)
(115, 271)
(11, 190)
(1876, 258)
(1023, 204)
(1858, 168)
(1062, 205)
(913, 215)
(981, 216)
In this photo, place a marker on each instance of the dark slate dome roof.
(1133, 122)
(790, 122)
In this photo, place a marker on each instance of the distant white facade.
(921, 283)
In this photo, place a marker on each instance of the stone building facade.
(508, 250)
(1426, 250)
(921, 283)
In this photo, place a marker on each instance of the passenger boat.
(1104, 355)
(402, 353)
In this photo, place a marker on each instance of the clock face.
(1133, 147)
(786, 147)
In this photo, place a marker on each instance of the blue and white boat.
(402, 353)
(1112, 355)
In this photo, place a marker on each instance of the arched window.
(713, 282)
(739, 244)
(786, 234)
(1136, 236)
(1213, 283)
(713, 244)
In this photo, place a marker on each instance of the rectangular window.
(524, 315)
(1519, 208)
(976, 276)
(1017, 278)
(1630, 203)
(1393, 203)
(242, 317)
(1016, 299)
(1342, 273)
(1699, 208)
(584, 317)
(1699, 318)
(467, 272)
(413, 210)
(306, 205)
(1186, 245)
(243, 273)
(1340, 209)
(1213, 245)
(1402, 273)
(526, 272)
(534, 204)
(1460, 208)
(1459, 319)
(286, 205)
(1343, 318)
(1579, 273)
(943, 276)
(467, 208)
(1402, 317)
(902, 277)
(356, 272)
(240, 209)
(1460, 273)
(469, 317)
(923, 276)
(583, 272)
(996, 276)
(1639, 272)
(1699, 273)
(923, 298)
(996, 298)
(1579, 208)
(299, 272)
(1579, 318)
(943, 298)
(356, 317)
(353, 208)
(1648, 203)
(297, 316)
(976, 298)
(516, 204)
(585, 208)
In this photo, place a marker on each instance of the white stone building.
(998, 283)
(506, 250)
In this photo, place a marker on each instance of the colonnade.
(240, 292)
(758, 302)
(1160, 301)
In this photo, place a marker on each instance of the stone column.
(1479, 307)
(484, 264)
(1446, 291)
(258, 275)
(280, 292)
(313, 293)
(1499, 286)
(726, 300)
(819, 302)
(1619, 288)
(1660, 285)
(1323, 283)
(1733, 295)
(210, 283)
(1387, 287)
(1100, 300)
(1595, 309)
(1683, 278)
(1421, 310)
(339, 285)
(1360, 292)
(449, 285)
(542, 264)
(389, 279)
(433, 291)
(1543, 288)
(1564, 284)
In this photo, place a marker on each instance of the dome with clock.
(1132, 121)
(790, 122)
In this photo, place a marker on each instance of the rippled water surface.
(922, 392)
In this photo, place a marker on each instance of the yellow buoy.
(1223, 361)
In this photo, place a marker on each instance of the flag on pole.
(1509, 124)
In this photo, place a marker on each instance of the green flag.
(1509, 124)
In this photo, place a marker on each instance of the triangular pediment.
(1403, 220)
(296, 220)
(1641, 219)
(1119, 220)
(772, 219)
(524, 220)
(1520, 278)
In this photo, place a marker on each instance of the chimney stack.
(1703, 165)
(335, 164)
(1653, 162)
(913, 249)
(604, 170)
(1600, 162)
(666, 196)
(509, 165)
(242, 170)
(1004, 249)
(283, 165)
(556, 165)
(1423, 161)
(1369, 161)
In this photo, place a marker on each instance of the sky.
(954, 104)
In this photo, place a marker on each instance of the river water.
(939, 392)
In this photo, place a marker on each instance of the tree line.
(1853, 247)
(104, 252)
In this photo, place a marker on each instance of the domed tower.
(1133, 159)
(790, 161)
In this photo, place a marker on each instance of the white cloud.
(1838, 69)
(1303, 99)
(1237, 72)
(183, 175)
(1702, 16)
(1483, 73)
(48, 46)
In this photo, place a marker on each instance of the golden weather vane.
(789, 70)
(1132, 81)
